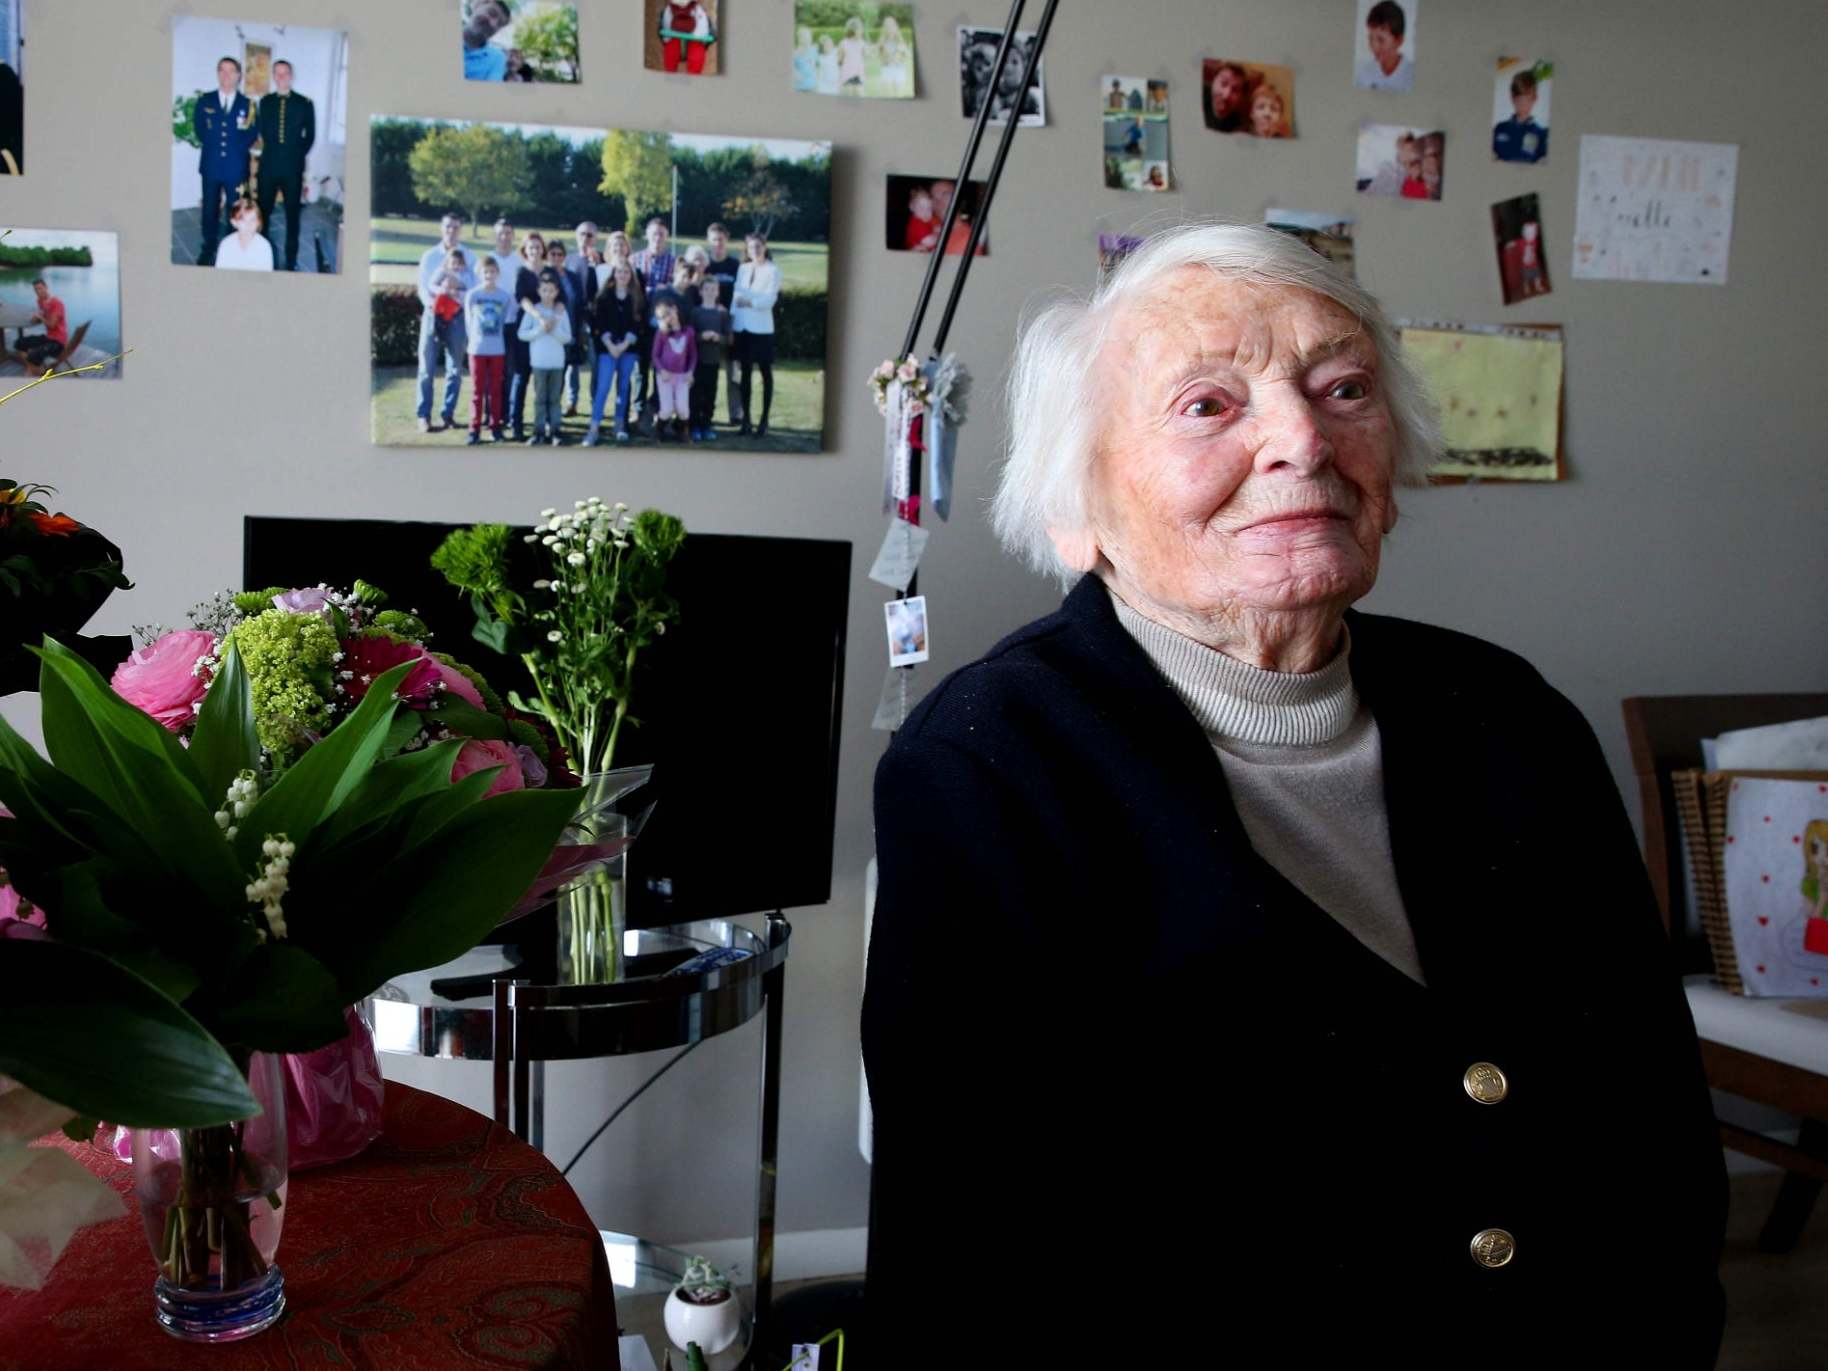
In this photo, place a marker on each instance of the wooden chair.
(1772, 1052)
(61, 361)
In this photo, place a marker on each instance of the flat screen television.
(738, 704)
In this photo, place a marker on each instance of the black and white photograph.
(907, 625)
(977, 74)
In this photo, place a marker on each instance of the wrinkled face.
(1227, 92)
(1385, 46)
(1247, 455)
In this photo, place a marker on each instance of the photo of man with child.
(1393, 160)
(695, 320)
(1246, 97)
(916, 217)
(519, 40)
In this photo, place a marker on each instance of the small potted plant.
(703, 1309)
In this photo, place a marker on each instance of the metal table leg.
(766, 1175)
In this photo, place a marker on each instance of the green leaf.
(96, 1038)
(138, 772)
(406, 726)
(489, 631)
(435, 902)
(391, 785)
(130, 731)
(284, 1000)
(83, 917)
(318, 782)
(224, 744)
(462, 717)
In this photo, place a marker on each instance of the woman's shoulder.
(1022, 678)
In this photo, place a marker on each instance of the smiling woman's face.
(1246, 460)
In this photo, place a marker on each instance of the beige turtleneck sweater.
(1302, 757)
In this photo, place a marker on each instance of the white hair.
(1052, 402)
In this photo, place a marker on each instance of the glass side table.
(518, 1027)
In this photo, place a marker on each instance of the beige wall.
(1685, 553)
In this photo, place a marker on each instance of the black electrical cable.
(683, 1052)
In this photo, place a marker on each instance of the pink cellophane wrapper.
(596, 836)
(333, 1101)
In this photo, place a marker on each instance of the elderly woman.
(1273, 975)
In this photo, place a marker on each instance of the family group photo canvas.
(259, 116)
(562, 285)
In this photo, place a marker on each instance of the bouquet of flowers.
(54, 574)
(578, 612)
(204, 903)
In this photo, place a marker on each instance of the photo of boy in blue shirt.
(1522, 138)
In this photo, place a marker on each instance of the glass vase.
(212, 1202)
(593, 912)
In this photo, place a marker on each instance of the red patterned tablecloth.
(449, 1243)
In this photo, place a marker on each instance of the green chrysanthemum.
(290, 661)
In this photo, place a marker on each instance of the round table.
(449, 1243)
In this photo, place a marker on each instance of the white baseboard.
(817, 1254)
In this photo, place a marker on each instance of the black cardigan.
(1117, 1060)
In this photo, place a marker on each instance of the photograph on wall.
(1113, 248)
(258, 138)
(1385, 55)
(1520, 110)
(1654, 210)
(12, 87)
(1523, 271)
(521, 40)
(857, 48)
(681, 38)
(916, 214)
(1248, 97)
(907, 627)
(1498, 391)
(1399, 161)
(561, 285)
(60, 302)
(1135, 115)
(978, 77)
(1328, 234)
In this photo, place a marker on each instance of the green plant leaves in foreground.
(97, 1039)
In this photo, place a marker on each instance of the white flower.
(620, 505)
(542, 584)
(547, 513)
(574, 558)
(660, 627)
(549, 541)
(531, 538)
(579, 588)
(555, 636)
(556, 521)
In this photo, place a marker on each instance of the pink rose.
(479, 753)
(161, 679)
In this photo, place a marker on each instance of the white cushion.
(1794, 1032)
